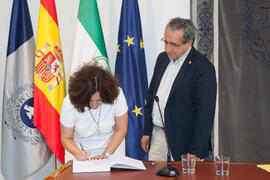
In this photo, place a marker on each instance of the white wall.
(154, 16)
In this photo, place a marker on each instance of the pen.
(83, 149)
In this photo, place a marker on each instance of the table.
(204, 171)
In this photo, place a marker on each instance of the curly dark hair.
(87, 81)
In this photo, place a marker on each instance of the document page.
(105, 165)
(126, 163)
(91, 166)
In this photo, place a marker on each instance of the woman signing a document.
(94, 115)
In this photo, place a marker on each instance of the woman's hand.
(98, 157)
(81, 155)
(67, 139)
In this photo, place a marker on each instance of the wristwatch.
(107, 154)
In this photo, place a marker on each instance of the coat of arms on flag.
(49, 65)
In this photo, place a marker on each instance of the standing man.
(185, 83)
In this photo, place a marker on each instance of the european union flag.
(131, 70)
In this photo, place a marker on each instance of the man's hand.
(145, 143)
(193, 156)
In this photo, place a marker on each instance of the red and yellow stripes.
(49, 5)
(49, 78)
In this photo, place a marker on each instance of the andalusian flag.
(89, 41)
(49, 78)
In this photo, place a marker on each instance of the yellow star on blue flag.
(137, 110)
(141, 44)
(129, 40)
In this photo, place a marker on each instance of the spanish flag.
(49, 78)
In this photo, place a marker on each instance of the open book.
(104, 165)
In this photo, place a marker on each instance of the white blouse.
(93, 139)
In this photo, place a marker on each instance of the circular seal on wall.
(19, 115)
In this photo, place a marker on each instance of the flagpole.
(55, 172)
(54, 163)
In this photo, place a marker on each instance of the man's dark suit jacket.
(190, 109)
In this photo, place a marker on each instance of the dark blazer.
(190, 109)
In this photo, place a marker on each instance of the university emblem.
(19, 116)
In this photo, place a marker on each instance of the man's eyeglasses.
(173, 45)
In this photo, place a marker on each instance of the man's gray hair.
(187, 25)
